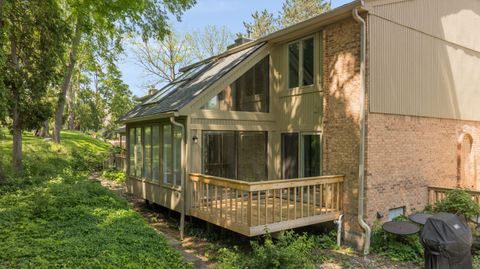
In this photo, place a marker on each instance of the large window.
(147, 154)
(155, 153)
(236, 155)
(250, 92)
(167, 154)
(301, 63)
(131, 145)
(301, 155)
(177, 155)
(138, 152)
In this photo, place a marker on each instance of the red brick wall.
(341, 114)
(406, 154)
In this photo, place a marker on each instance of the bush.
(458, 202)
(115, 175)
(290, 251)
(396, 247)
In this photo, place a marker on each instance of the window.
(177, 155)
(250, 92)
(301, 158)
(395, 212)
(252, 156)
(219, 154)
(290, 155)
(147, 153)
(167, 154)
(138, 152)
(155, 153)
(311, 154)
(131, 145)
(236, 155)
(301, 63)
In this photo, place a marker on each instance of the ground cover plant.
(53, 215)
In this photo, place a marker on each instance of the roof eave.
(149, 117)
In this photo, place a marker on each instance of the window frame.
(300, 151)
(301, 166)
(236, 144)
(300, 61)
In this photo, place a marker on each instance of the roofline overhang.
(158, 116)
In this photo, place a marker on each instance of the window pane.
(138, 152)
(250, 92)
(177, 156)
(131, 143)
(290, 155)
(167, 154)
(308, 61)
(147, 154)
(156, 153)
(293, 65)
(219, 154)
(311, 155)
(252, 156)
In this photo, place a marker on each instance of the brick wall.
(406, 154)
(341, 114)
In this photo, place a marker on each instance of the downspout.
(182, 176)
(361, 165)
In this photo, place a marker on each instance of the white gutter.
(361, 160)
(182, 195)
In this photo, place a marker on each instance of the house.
(355, 112)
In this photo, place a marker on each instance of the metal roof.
(187, 86)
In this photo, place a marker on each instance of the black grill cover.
(447, 240)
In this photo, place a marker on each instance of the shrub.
(115, 175)
(290, 251)
(396, 247)
(458, 202)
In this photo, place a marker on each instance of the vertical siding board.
(422, 58)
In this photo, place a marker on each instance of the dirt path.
(201, 251)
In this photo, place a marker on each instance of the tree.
(103, 21)
(35, 35)
(295, 11)
(210, 41)
(161, 60)
(263, 24)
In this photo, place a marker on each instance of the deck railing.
(252, 208)
(436, 194)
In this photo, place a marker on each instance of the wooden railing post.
(249, 209)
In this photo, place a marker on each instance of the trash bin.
(447, 240)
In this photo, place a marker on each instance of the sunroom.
(204, 146)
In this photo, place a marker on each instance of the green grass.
(54, 216)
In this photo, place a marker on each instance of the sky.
(229, 13)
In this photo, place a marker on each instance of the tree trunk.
(17, 133)
(71, 115)
(66, 82)
(16, 113)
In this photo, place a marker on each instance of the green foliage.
(54, 216)
(115, 175)
(209, 41)
(293, 11)
(458, 202)
(289, 251)
(395, 247)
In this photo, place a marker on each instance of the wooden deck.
(252, 208)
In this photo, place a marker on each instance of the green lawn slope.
(54, 216)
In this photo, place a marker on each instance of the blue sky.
(229, 13)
